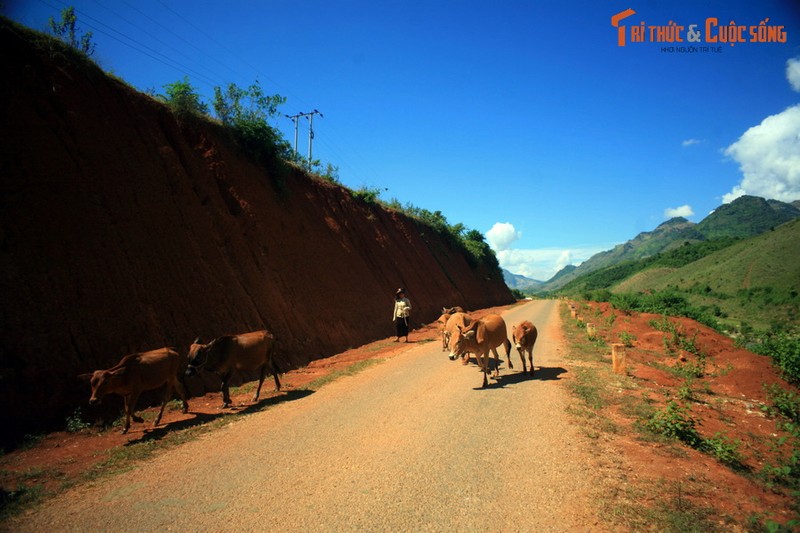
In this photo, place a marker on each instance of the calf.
(248, 351)
(136, 373)
(524, 335)
(442, 323)
(480, 337)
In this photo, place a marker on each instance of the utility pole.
(294, 119)
(310, 117)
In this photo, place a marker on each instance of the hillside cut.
(125, 230)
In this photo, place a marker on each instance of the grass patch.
(672, 512)
(12, 502)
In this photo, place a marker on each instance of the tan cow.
(479, 338)
(136, 373)
(524, 335)
(442, 324)
(248, 351)
(455, 321)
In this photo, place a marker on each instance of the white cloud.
(793, 73)
(544, 263)
(690, 142)
(502, 235)
(564, 259)
(682, 211)
(769, 158)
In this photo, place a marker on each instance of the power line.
(209, 79)
(134, 44)
(178, 36)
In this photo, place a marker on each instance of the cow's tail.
(508, 347)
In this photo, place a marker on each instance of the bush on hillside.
(669, 302)
(183, 99)
(784, 349)
(67, 31)
(247, 112)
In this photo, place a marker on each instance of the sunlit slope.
(756, 279)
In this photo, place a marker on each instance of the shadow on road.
(546, 373)
(513, 377)
(199, 419)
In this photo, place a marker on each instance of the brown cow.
(481, 336)
(524, 335)
(248, 351)
(136, 373)
(451, 332)
(442, 323)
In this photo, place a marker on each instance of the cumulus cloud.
(682, 211)
(564, 259)
(690, 142)
(544, 263)
(793, 73)
(502, 235)
(769, 158)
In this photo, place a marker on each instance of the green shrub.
(675, 422)
(67, 31)
(183, 99)
(663, 324)
(247, 112)
(724, 449)
(784, 403)
(627, 339)
(367, 195)
(784, 348)
(75, 422)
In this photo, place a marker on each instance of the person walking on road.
(402, 310)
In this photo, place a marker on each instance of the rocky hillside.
(125, 230)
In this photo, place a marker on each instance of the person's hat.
(400, 290)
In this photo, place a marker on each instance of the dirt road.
(411, 444)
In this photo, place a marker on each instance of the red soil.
(727, 400)
(125, 230)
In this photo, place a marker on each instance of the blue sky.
(524, 120)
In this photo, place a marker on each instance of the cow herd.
(462, 335)
(143, 371)
(138, 372)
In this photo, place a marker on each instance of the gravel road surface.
(410, 444)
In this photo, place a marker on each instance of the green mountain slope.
(756, 279)
(671, 233)
(744, 217)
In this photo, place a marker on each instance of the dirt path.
(407, 445)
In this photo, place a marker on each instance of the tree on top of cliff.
(183, 99)
(247, 112)
(66, 30)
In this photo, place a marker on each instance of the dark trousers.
(401, 326)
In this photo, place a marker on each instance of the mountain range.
(746, 216)
(520, 282)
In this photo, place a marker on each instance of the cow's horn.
(196, 341)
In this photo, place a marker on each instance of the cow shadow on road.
(158, 433)
(514, 377)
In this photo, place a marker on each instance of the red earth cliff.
(125, 230)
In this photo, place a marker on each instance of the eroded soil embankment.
(125, 230)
